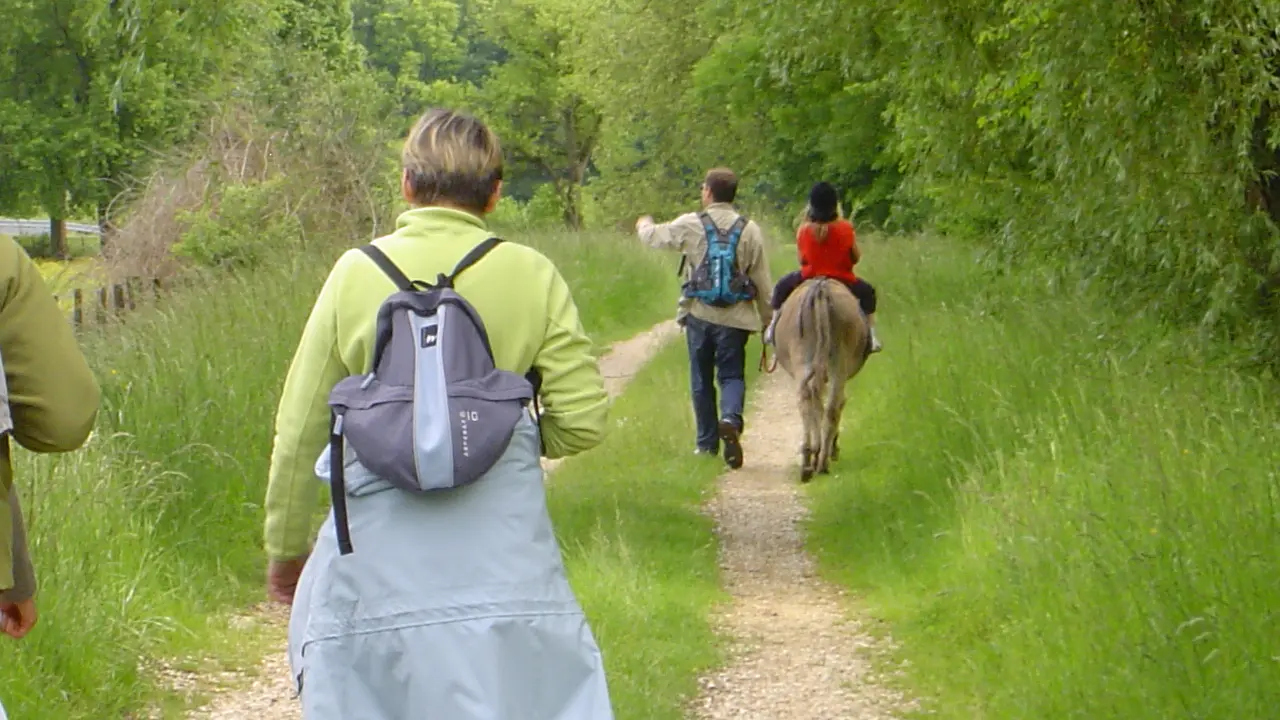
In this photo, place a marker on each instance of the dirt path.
(625, 359)
(797, 654)
(267, 693)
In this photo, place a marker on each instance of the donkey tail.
(815, 314)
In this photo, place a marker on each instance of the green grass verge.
(641, 554)
(1063, 513)
(145, 539)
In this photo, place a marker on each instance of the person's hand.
(644, 220)
(282, 578)
(17, 619)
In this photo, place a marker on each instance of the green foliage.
(1134, 145)
(411, 44)
(545, 209)
(1118, 140)
(1063, 510)
(246, 224)
(509, 215)
(321, 29)
(1130, 144)
(100, 84)
(547, 125)
(518, 76)
(778, 96)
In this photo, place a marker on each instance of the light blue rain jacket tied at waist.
(454, 605)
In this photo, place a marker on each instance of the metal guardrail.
(10, 226)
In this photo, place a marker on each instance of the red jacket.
(833, 257)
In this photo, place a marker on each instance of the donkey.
(822, 341)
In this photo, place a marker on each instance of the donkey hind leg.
(806, 449)
(811, 414)
(831, 425)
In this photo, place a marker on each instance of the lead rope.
(764, 364)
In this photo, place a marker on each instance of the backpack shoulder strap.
(382, 261)
(471, 258)
(735, 232)
(709, 225)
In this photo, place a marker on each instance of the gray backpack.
(435, 413)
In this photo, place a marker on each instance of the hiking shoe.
(704, 451)
(730, 436)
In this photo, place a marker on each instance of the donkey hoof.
(806, 475)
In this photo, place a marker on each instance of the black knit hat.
(822, 203)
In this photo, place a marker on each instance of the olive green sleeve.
(53, 394)
(24, 577)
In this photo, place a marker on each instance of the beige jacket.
(686, 236)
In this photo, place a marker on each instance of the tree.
(411, 44)
(534, 100)
(100, 84)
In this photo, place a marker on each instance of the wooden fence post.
(115, 299)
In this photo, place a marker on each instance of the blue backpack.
(716, 280)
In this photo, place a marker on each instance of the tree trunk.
(569, 197)
(58, 238)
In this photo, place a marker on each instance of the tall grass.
(1063, 511)
(142, 540)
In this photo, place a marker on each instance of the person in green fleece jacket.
(48, 403)
(519, 293)
(457, 604)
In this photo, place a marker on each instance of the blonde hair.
(819, 229)
(454, 158)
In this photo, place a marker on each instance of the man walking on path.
(727, 300)
(48, 403)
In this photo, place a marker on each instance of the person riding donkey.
(721, 305)
(828, 247)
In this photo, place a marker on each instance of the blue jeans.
(716, 352)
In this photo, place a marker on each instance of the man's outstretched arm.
(676, 235)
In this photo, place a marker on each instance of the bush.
(247, 223)
(509, 215)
